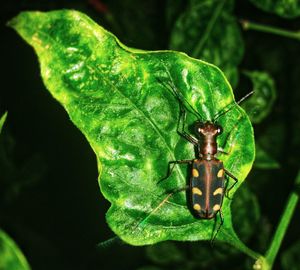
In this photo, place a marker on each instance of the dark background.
(50, 201)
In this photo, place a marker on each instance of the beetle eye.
(199, 127)
(220, 129)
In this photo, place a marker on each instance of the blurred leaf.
(287, 9)
(118, 98)
(150, 267)
(15, 176)
(173, 10)
(132, 26)
(290, 258)
(263, 160)
(2, 121)
(263, 234)
(205, 256)
(192, 255)
(267, 140)
(165, 253)
(11, 257)
(260, 104)
(207, 30)
(246, 212)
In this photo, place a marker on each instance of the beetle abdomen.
(207, 187)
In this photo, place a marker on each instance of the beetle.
(207, 184)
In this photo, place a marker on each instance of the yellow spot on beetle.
(195, 173)
(216, 207)
(220, 173)
(218, 191)
(197, 207)
(196, 190)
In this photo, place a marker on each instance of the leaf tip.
(16, 21)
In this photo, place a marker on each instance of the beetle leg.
(162, 203)
(221, 150)
(181, 124)
(219, 227)
(235, 182)
(176, 190)
(171, 166)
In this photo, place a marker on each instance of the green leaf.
(118, 98)
(290, 258)
(120, 18)
(11, 257)
(171, 253)
(263, 160)
(246, 212)
(16, 175)
(2, 121)
(268, 140)
(260, 104)
(287, 9)
(172, 10)
(207, 30)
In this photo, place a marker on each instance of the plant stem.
(270, 29)
(283, 225)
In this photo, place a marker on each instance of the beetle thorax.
(208, 133)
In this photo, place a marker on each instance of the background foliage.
(50, 202)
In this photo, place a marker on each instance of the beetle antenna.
(231, 106)
(109, 242)
(172, 87)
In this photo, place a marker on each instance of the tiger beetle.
(207, 182)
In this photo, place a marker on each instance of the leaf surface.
(208, 30)
(118, 98)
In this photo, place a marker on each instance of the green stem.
(197, 50)
(270, 29)
(283, 225)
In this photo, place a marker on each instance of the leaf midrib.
(152, 123)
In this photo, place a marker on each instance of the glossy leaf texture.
(208, 30)
(287, 9)
(119, 98)
(11, 257)
(260, 104)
